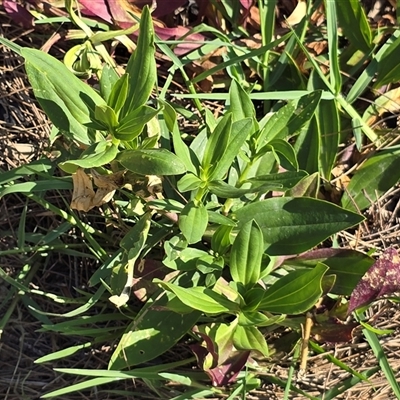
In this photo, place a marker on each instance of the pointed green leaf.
(106, 117)
(250, 338)
(246, 254)
(348, 266)
(217, 143)
(308, 147)
(305, 109)
(201, 298)
(221, 239)
(258, 319)
(118, 93)
(226, 191)
(133, 123)
(97, 155)
(107, 81)
(294, 225)
(151, 162)
(276, 125)
(67, 101)
(193, 221)
(141, 66)
(181, 149)
(327, 116)
(154, 331)
(388, 67)
(355, 25)
(241, 130)
(240, 104)
(286, 150)
(377, 175)
(296, 292)
(282, 181)
(188, 182)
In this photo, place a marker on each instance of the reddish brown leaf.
(381, 279)
(18, 14)
(96, 8)
(333, 331)
(167, 7)
(175, 34)
(226, 373)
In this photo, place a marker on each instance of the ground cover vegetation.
(224, 242)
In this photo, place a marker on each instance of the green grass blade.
(64, 353)
(383, 361)
(275, 95)
(347, 384)
(43, 166)
(337, 362)
(80, 386)
(334, 70)
(80, 310)
(37, 186)
(21, 226)
(369, 73)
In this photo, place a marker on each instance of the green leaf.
(327, 117)
(67, 101)
(369, 72)
(141, 66)
(282, 181)
(107, 81)
(295, 292)
(355, 25)
(151, 162)
(377, 175)
(181, 149)
(250, 338)
(286, 150)
(277, 124)
(388, 66)
(201, 298)
(106, 117)
(294, 225)
(131, 126)
(118, 94)
(151, 334)
(226, 191)
(305, 109)
(349, 266)
(308, 147)
(188, 182)
(252, 298)
(97, 155)
(307, 187)
(193, 221)
(217, 144)
(246, 255)
(219, 219)
(247, 318)
(221, 239)
(240, 104)
(241, 130)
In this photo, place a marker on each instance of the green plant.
(229, 242)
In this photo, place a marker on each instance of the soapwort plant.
(234, 213)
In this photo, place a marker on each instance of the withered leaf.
(381, 279)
